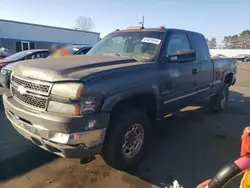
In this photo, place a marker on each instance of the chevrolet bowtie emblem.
(21, 90)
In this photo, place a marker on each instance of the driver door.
(179, 80)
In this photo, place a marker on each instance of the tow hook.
(86, 160)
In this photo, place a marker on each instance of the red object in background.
(245, 142)
(203, 184)
(242, 164)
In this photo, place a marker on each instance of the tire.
(120, 123)
(219, 101)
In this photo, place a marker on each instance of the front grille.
(37, 87)
(30, 100)
(33, 93)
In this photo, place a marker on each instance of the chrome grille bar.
(33, 86)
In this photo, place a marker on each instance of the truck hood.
(70, 67)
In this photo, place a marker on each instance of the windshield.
(18, 55)
(139, 45)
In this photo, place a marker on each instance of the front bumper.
(38, 127)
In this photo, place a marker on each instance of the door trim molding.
(178, 98)
(201, 90)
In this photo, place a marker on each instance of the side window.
(202, 51)
(35, 56)
(84, 51)
(29, 57)
(178, 42)
(43, 54)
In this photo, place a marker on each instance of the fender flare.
(224, 76)
(111, 101)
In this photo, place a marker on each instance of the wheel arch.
(228, 78)
(142, 97)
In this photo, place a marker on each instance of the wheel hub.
(133, 140)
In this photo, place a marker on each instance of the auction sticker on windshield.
(151, 40)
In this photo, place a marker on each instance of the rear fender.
(224, 77)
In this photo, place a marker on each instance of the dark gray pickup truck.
(105, 102)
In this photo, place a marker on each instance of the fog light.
(59, 137)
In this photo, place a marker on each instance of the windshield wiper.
(120, 55)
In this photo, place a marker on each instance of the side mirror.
(182, 56)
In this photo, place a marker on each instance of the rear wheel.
(127, 139)
(219, 101)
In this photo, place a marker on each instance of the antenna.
(142, 22)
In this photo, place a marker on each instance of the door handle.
(194, 71)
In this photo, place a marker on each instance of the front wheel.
(128, 138)
(219, 101)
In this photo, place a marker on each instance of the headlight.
(59, 137)
(68, 90)
(71, 109)
(4, 71)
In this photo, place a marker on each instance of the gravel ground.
(189, 147)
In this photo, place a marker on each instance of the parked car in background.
(83, 50)
(73, 49)
(219, 56)
(8, 63)
(5, 52)
(105, 102)
(243, 57)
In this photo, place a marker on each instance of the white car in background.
(243, 57)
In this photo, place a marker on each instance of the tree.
(226, 42)
(84, 23)
(241, 40)
(235, 42)
(245, 39)
(212, 44)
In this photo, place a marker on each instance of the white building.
(229, 52)
(20, 36)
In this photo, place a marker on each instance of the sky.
(213, 18)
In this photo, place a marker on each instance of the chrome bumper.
(87, 139)
(31, 126)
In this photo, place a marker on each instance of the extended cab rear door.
(205, 74)
(179, 80)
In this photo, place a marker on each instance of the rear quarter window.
(201, 48)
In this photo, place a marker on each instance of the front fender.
(111, 101)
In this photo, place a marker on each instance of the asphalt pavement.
(189, 147)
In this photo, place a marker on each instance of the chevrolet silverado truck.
(106, 101)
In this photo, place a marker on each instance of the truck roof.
(156, 29)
